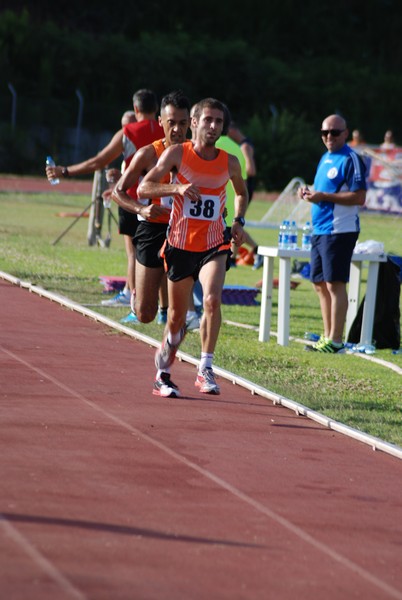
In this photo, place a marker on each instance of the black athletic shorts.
(148, 240)
(180, 264)
(251, 183)
(128, 222)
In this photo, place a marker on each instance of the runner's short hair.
(176, 99)
(145, 101)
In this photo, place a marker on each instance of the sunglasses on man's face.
(333, 132)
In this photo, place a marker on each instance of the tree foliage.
(279, 70)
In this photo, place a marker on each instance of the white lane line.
(299, 409)
(43, 563)
(285, 523)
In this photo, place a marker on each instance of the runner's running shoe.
(162, 316)
(130, 319)
(164, 386)
(193, 323)
(166, 354)
(119, 300)
(206, 382)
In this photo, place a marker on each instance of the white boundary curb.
(299, 409)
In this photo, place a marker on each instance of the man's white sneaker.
(164, 386)
(193, 322)
(119, 300)
(206, 382)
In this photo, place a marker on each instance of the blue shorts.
(331, 255)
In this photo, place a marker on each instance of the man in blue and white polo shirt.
(339, 191)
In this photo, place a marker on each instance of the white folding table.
(270, 253)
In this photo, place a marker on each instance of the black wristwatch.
(65, 173)
(239, 220)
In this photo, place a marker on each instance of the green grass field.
(357, 392)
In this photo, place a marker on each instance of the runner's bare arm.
(107, 155)
(144, 159)
(168, 162)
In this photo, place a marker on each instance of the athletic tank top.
(166, 201)
(198, 226)
(135, 136)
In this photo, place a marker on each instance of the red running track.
(23, 184)
(111, 493)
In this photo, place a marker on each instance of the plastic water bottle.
(286, 235)
(107, 201)
(306, 237)
(311, 337)
(50, 163)
(364, 348)
(293, 236)
(281, 235)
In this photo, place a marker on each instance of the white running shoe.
(206, 382)
(193, 322)
(121, 299)
(164, 386)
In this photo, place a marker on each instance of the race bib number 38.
(206, 209)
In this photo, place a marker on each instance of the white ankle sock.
(206, 361)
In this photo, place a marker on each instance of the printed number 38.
(204, 208)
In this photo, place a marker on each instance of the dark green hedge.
(278, 71)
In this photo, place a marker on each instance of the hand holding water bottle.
(51, 171)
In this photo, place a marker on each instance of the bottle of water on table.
(281, 235)
(293, 236)
(286, 236)
(306, 237)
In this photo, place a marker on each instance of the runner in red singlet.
(125, 142)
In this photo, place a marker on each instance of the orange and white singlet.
(198, 225)
(166, 201)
